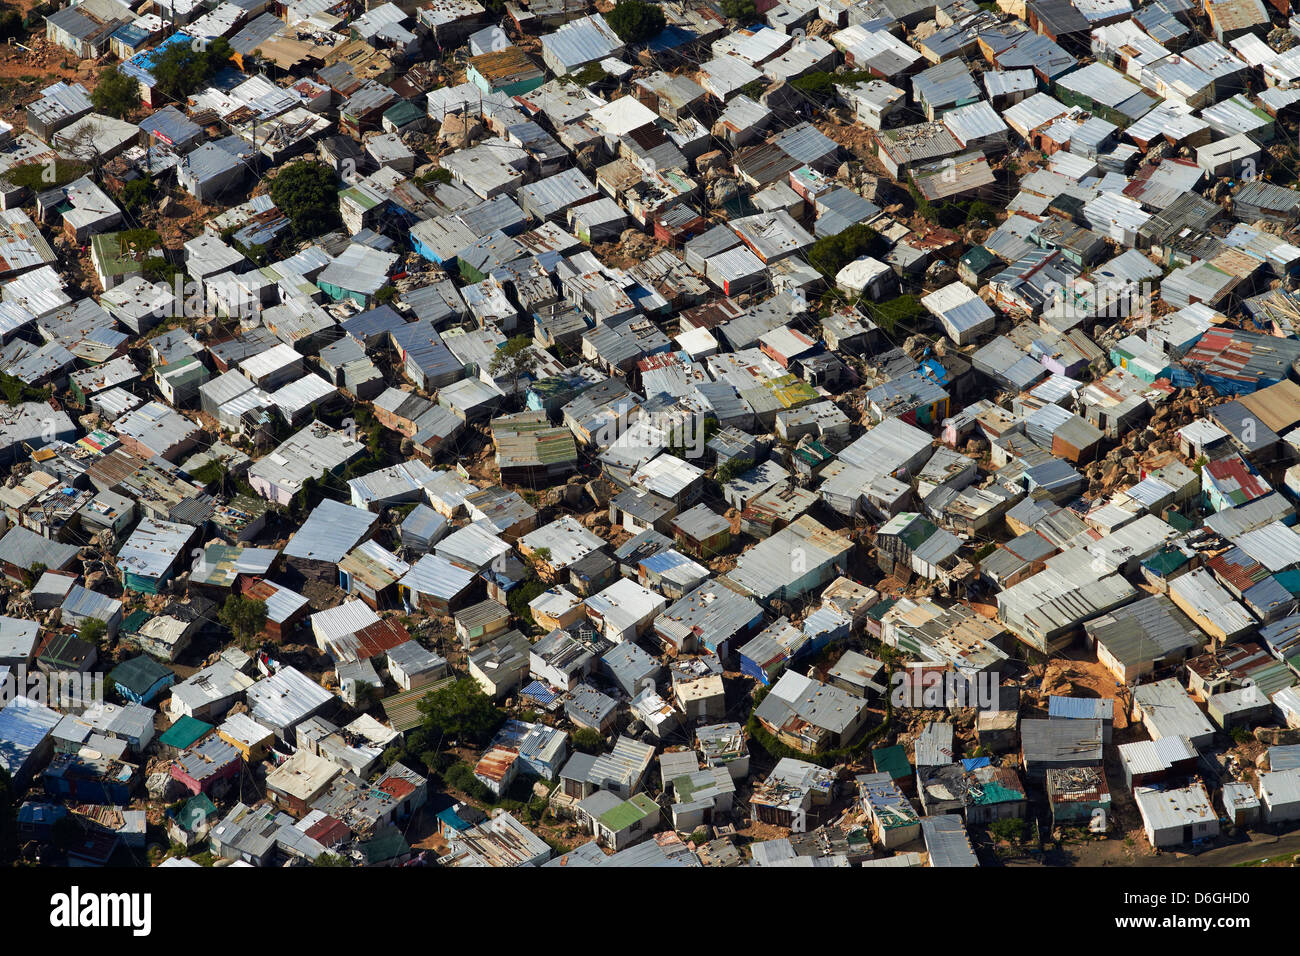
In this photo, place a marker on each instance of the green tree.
(589, 74)
(515, 359)
(92, 630)
(830, 254)
(461, 776)
(307, 192)
(739, 9)
(905, 309)
(821, 85)
(462, 712)
(39, 177)
(184, 68)
(636, 20)
(14, 390)
(159, 269)
(245, 617)
(116, 93)
(521, 596)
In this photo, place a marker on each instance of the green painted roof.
(139, 674)
(403, 113)
(878, 610)
(386, 846)
(66, 649)
(185, 733)
(196, 811)
(628, 812)
(1166, 560)
(979, 258)
(893, 761)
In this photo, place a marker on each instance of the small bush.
(830, 254)
(1012, 829)
(461, 776)
(587, 741)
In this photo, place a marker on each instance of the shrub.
(138, 194)
(590, 74)
(437, 175)
(733, 467)
(39, 177)
(1012, 829)
(159, 269)
(587, 741)
(830, 254)
(461, 776)
(14, 390)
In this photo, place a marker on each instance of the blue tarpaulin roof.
(540, 693)
(140, 66)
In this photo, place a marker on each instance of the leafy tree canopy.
(739, 9)
(116, 94)
(184, 68)
(830, 254)
(92, 630)
(515, 359)
(636, 20)
(307, 193)
(41, 176)
(906, 309)
(245, 617)
(462, 712)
